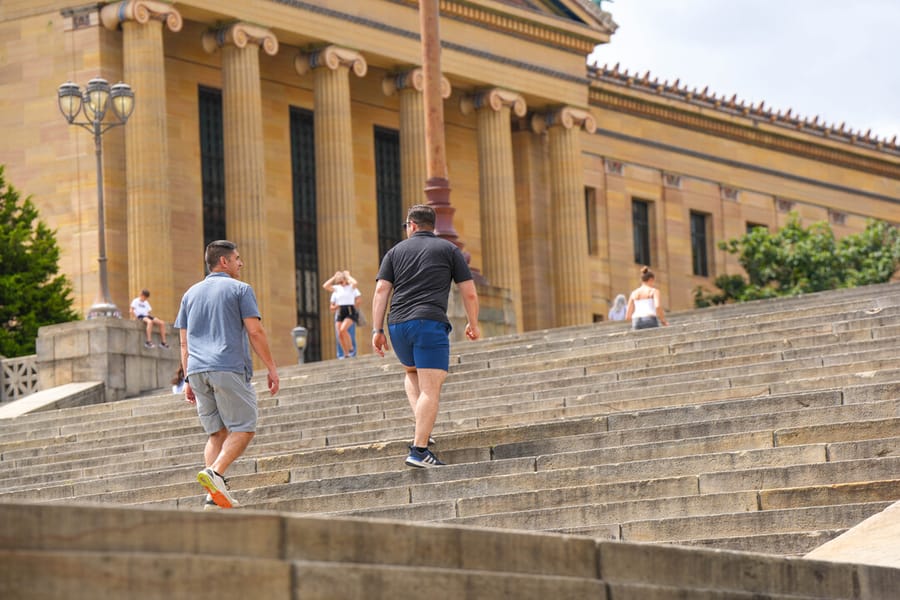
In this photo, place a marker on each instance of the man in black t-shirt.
(419, 271)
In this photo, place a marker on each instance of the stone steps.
(102, 552)
(631, 375)
(769, 427)
(878, 409)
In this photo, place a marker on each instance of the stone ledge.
(62, 396)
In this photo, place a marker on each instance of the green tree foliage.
(32, 294)
(796, 261)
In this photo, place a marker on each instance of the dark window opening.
(640, 219)
(306, 255)
(212, 164)
(388, 193)
(700, 243)
(590, 212)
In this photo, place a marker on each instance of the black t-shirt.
(421, 269)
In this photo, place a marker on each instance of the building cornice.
(725, 118)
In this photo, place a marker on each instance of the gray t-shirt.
(421, 269)
(213, 312)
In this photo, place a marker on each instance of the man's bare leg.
(411, 385)
(427, 404)
(224, 447)
(162, 330)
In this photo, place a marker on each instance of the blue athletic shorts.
(422, 343)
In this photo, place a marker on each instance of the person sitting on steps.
(142, 311)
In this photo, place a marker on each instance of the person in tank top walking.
(644, 305)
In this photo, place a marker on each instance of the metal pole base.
(104, 309)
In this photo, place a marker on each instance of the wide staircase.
(701, 460)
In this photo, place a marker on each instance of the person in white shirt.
(619, 309)
(339, 350)
(347, 297)
(142, 311)
(644, 305)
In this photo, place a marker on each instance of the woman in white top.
(644, 305)
(346, 297)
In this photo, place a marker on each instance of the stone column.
(413, 170)
(245, 174)
(568, 233)
(146, 149)
(335, 214)
(497, 188)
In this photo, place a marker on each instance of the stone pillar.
(413, 170)
(497, 187)
(146, 149)
(335, 215)
(245, 174)
(568, 232)
(531, 160)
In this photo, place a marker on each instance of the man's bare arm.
(260, 344)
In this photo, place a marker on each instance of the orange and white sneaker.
(208, 504)
(217, 487)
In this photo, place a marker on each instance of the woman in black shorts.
(347, 297)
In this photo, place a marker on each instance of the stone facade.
(573, 181)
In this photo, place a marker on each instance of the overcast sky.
(836, 59)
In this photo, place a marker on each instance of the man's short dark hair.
(145, 293)
(216, 250)
(422, 215)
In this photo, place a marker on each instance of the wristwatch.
(377, 331)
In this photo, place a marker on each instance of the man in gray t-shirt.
(218, 323)
(419, 272)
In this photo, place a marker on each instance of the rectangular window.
(752, 226)
(212, 164)
(640, 222)
(388, 194)
(700, 243)
(306, 255)
(590, 212)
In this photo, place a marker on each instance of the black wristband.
(377, 331)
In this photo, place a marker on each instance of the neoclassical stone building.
(295, 128)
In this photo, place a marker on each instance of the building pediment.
(577, 25)
(585, 12)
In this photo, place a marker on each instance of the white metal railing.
(18, 377)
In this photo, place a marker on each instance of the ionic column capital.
(495, 99)
(566, 117)
(331, 57)
(140, 11)
(239, 35)
(412, 79)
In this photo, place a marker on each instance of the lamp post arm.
(92, 127)
(108, 126)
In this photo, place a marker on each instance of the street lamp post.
(94, 102)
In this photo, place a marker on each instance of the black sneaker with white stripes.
(422, 458)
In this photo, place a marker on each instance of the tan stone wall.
(653, 156)
(696, 159)
(282, 87)
(52, 161)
